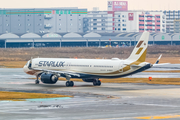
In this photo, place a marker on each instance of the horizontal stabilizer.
(134, 66)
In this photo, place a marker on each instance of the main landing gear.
(97, 82)
(69, 84)
(37, 80)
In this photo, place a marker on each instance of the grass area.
(164, 81)
(12, 64)
(21, 96)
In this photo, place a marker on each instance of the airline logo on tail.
(140, 48)
(139, 52)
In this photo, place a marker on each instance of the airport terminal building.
(91, 39)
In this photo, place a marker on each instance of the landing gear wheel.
(94, 83)
(69, 84)
(97, 83)
(36, 81)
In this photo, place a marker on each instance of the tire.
(94, 83)
(99, 83)
(71, 83)
(67, 84)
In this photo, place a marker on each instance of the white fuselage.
(101, 68)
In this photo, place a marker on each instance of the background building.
(152, 21)
(125, 21)
(172, 18)
(177, 26)
(20, 21)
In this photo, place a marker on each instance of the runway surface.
(107, 102)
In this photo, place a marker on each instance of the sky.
(89, 4)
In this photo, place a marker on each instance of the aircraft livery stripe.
(139, 44)
(139, 51)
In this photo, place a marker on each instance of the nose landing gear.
(37, 79)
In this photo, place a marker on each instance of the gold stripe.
(139, 44)
(139, 51)
(143, 57)
(126, 68)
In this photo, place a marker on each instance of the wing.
(65, 73)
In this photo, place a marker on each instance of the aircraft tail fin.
(139, 52)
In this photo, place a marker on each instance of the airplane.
(90, 70)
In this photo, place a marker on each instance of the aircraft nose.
(25, 69)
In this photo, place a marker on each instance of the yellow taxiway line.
(158, 117)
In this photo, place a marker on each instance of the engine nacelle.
(88, 79)
(49, 78)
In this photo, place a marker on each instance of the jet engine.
(49, 78)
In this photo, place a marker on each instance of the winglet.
(156, 63)
(158, 59)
